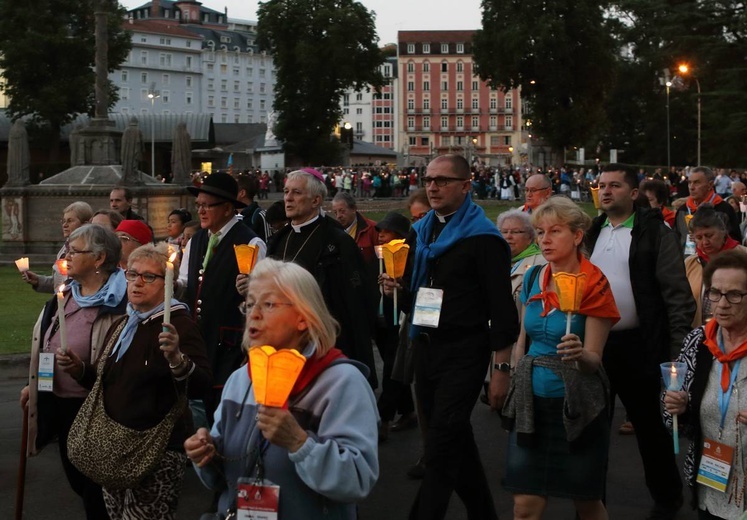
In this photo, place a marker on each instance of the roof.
(240, 39)
(160, 26)
(435, 36)
(364, 148)
(168, 4)
(198, 125)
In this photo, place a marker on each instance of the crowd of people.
(144, 356)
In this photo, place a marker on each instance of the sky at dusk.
(391, 15)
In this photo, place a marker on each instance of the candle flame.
(379, 252)
(61, 289)
(172, 257)
(674, 370)
(62, 266)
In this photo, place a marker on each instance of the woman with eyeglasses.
(73, 216)
(149, 366)
(712, 406)
(710, 233)
(93, 299)
(320, 449)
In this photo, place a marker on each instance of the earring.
(97, 271)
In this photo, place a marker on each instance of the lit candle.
(61, 318)
(168, 292)
(674, 387)
(380, 255)
(61, 267)
(22, 264)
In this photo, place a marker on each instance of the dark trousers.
(448, 379)
(395, 395)
(57, 414)
(639, 388)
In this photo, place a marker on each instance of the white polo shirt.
(611, 254)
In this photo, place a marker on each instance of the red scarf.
(711, 198)
(668, 215)
(597, 301)
(314, 366)
(711, 341)
(729, 244)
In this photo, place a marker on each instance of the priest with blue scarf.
(458, 286)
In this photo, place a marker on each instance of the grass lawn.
(20, 308)
(21, 305)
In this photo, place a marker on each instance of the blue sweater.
(337, 466)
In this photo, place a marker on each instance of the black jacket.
(657, 274)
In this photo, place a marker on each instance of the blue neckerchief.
(468, 221)
(110, 294)
(135, 318)
(725, 397)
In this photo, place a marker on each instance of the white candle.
(380, 255)
(22, 264)
(168, 292)
(674, 387)
(61, 319)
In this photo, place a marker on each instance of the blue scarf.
(135, 318)
(110, 294)
(468, 221)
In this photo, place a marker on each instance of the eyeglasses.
(714, 295)
(206, 206)
(512, 231)
(127, 239)
(440, 181)
(132, 275)
(415, 218)
(72, 252)
(264, 306)
(532, 191)
(69, 221)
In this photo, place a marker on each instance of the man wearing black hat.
(208, 272)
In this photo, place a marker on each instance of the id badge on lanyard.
(428, 303)
(45, 374)
(258, 499)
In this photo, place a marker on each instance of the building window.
(426, 67)
(507, 140)
(460, 48)
(359, 111)
(410, 104)
(475, 85)
(359, 97)
(410, 86)
(444, 66)
(444, 104)
(460, 121)
(460, 86)
(236, 72)
(410, 67)
(224, 118)
(249, 71)
(493, 103)
(426, 86)
(250, 86)
(210, 67)
(412, 140)
(460, 66)
(144, 97)
(165, 79)
(188, 81)
(509, 122)
(494, 140)
(236, 103)
(345, 100)
(261, 73)
(188, 98)
(426, 48)
(124, 76)
(493, 122)
(211, 84)
(359, 128)
(124, 93)
(475, 103)
(444, 121)
(426, 122)
(410, 48)
(249, 104)
(445, 140)
(224, 85)
(475, 122)
(444, 48)
(165, 96)
(224, 68)
(236, 86)
(460, 104)
(444, 86)
(224, 102)
(188, 62)
(143, 77)
(411, 123)
(262, 104)
(211, 101)
(509, 102)
(427, 103)
(423, 141)
(164, 60)
(143, 57)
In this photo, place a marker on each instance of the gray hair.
(314, 186)
(82, 210)
(100, 241)
(347, 198)
(157, 253)
(706, 171)
(521, 216)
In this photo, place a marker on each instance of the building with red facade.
(445, 108)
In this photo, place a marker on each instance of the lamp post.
(153, 94)
(669, 148)
(685, 69)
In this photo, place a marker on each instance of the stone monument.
(181, 156)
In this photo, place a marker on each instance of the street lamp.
(685, 69)
(153, 94)
(669, 148)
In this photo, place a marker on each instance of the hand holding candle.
(570, 289)
(168, 290)
(673, 374)
(61, 318)
(274, 372)
(246, 257)
(395, 259)
(22, 264)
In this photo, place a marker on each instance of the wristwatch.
(502, 367)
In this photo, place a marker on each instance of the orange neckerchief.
(668, 215)
(711, 341)
(730, 243)
(597, 301)
(711, 198)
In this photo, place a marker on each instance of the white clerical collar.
(297, 228)
(442, 218)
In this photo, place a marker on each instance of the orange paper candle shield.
(570, 289)
(61, 266)
(688, 218)
(274, 372)
(246, 257)
(395, 257)
(595, 197)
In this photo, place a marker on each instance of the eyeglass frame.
(208, 205)
(266, 306)
(441, 182)
(131, 276)
(69, 221)
(513, 231)
(532, 191)
(72, 252)
(726, 294)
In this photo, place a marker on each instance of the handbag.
(112, 455)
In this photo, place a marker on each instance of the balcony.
(476, 128)
(508, 128)
(410, 128)
(444, 110)
(425, 110)
(444, 128)
(497, 110)
(493, 128)
(426, 128)
(410, 110)
(460, 128)
(460, 111)
(475, 110)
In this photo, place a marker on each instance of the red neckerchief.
(711, 341)
(729, 244)
(711, 198)
(597, 301)
(668, 215)
(314, 366)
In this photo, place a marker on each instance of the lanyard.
(725, 397)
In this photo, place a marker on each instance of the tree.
(47, 56)
(320, 49)
(559, 52)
